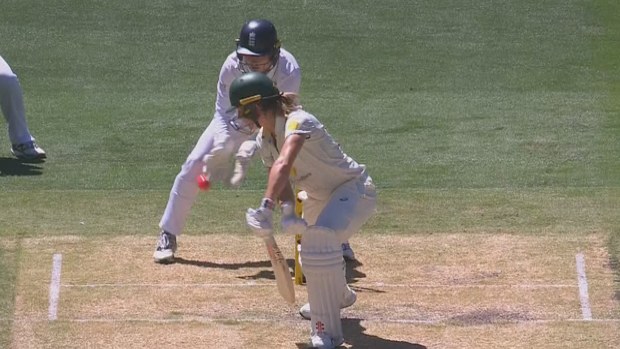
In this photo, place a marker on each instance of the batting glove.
(291, 224)
(260, 220)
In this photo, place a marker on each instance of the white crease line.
(381, 284)
(55, 287)
(586, 311)
(353, 285)
(200, 319)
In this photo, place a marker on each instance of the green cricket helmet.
(251, 88)
(248, 90)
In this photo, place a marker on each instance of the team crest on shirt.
(292, 126)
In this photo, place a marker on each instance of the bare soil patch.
(423, 291)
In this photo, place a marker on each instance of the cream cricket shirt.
(321, 165)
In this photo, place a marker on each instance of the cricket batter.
(341, 195)
(23, 145)
(258, 49)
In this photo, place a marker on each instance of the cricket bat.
(280, 270)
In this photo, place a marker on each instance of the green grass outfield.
(479, 116)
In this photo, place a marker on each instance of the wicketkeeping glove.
(242, 162)
(260, 220)
(239, 172)
(291, 224)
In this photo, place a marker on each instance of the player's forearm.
(278, 182)
(287, 193)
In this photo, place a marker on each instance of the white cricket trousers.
(12, 105)
(215, 149)
(349, 206)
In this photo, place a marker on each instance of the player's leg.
(325, 282)
(348, 208)
(311, 210)
(215, 142)
(23, 144)
(349, 298)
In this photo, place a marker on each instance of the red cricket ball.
(203, 182)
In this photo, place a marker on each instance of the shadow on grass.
(356, 338)
(17, 167)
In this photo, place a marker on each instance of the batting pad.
(321, 254)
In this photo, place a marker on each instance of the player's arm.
(291, 83)
(278, 185)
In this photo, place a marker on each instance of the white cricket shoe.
(166, 247)
(349, 299)
(347, 252)
(28, 151)
(325, 341)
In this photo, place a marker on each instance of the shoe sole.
(333, 344)
(163, 257)
(22, 157)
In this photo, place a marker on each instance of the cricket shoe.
(325, 341)
(166, 247)
(349, 299)
(347, 252)
(28, 151)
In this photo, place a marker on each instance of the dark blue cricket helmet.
(258, 37)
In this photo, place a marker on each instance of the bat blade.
(284, 280)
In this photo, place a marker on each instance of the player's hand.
(239, 172)
(243, 159)
(260, 220)
(291, 224)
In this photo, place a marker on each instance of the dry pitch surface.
(414, 292)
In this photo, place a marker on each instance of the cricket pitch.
(414, 292)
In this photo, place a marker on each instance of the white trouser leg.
(216, 146)
(349, 207)
(12, 105)
(321, 254)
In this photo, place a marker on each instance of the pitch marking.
(586, 311)
(55, 287)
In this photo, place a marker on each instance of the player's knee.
(190, 169)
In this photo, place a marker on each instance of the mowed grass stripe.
(403, 211)
(9, 260)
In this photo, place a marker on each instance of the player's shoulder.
(231, 62)
(284, 53)
(230, 68)
(287, 60)
(302, 117)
